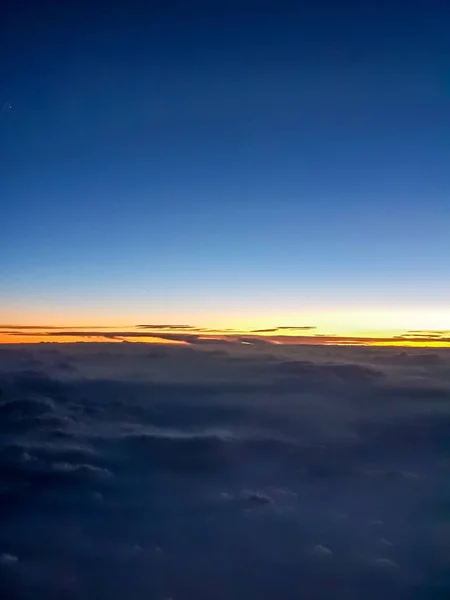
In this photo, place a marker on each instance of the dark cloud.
(416, 392)
(285, 327)
(345, 372)
(45, 327)
(322, 467)
(113, 335)
(190, 338)
(188, 334)
(157, 327)
(255, 497)
(300, 328)
(423, 337)
(430, 333)
(412, 359)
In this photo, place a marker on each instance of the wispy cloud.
(190, 334)
(168, 327)
(285, 328)
(298, 327)
(51, 327)
(437, 334)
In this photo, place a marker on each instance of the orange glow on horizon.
(38, 339)
(187, 334)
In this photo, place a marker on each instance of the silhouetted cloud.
(299, 328)
(422, 338)
(430, 333)
(285, 327)
(50, 327)
(158, 327)
(191, 338)
(188, 334)
(113, 335)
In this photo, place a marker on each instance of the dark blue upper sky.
(223, 157)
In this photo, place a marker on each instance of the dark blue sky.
(223, 158)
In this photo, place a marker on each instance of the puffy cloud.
(103, 447)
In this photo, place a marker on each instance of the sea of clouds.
(228, 471)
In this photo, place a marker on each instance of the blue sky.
(246, 159)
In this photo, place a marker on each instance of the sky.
(225, 165)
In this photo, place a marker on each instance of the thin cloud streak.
(285, 328)
(52, 327)
(195, 336)
(169, 327)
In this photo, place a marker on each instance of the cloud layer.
(190, 334)
(169, 471)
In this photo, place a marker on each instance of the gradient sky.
(226, 164)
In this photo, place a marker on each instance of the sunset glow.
(190, 334)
